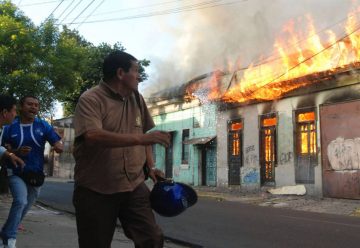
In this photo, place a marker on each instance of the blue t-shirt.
(34, 135)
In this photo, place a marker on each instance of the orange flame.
(298, 56)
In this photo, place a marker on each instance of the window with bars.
(306, 147)
(268, 146)
(235, 129)
(306, 133)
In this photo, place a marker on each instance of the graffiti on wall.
(251, 176)
(286, 157)
(250, 149)
(344, 154)
(251, 157)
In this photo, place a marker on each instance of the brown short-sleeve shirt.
(103, 169)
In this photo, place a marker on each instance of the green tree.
(48, 63)
(22, 52)
(93, 74)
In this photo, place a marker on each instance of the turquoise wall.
(201, 122)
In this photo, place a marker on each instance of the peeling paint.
(344, 154)
(252, 176)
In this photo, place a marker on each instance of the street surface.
(220, 224)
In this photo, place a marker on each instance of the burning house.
(191, 156)
(308, 136)
(293, 119)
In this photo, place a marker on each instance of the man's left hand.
(154, 172)
(59, 147)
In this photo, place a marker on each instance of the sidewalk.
(45, 227)
(49, 228)
(302, 203)
(265, 199)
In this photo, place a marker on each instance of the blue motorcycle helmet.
(169, 198)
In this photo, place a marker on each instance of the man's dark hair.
(22, 99)
(115, 60)
(7, 102)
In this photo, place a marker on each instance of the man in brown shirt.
(111, 147)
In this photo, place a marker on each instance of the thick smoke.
(240, 33)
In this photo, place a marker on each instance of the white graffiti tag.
(344, 154)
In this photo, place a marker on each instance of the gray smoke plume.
(239, 32)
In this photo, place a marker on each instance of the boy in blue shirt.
(27, 136)
(7, 115)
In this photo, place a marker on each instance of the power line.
(138, 7)
(315, 54)
(82, 11)
(301, 62)
(281, 75)
(54, 10)
(267, 57)
(70, 12)
(69, 5)
(192, 7)
(91, 13)
(39, 3)
(264, 61)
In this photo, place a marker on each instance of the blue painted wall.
(201, 122)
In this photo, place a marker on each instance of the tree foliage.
(93, 74)
(46, 62)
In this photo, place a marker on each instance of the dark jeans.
(96, 216)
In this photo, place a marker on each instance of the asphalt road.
(223, 224)
(58, 195)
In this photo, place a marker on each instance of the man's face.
(9, 115)
(30, 108)
(131, 78)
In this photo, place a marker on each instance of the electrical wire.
(166, 12)
(138, 7)
(53, 11)
(98, 6)
(305, 60)
(82, 11)
(70, 12)
(269, 56)
(315, 54)
(39, 3)
(282, 74)
(69, 5)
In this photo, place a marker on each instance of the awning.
(199, 141)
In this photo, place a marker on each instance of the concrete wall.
(206, 120)
(201, 122)
(250, 171)
(62, 165)
(284, 108)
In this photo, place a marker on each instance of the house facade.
(191, 156)
(308, 136)
(62, 165)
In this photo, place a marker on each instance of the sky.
(184, 39)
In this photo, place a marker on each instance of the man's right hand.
(15, 160)
(156, 137)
